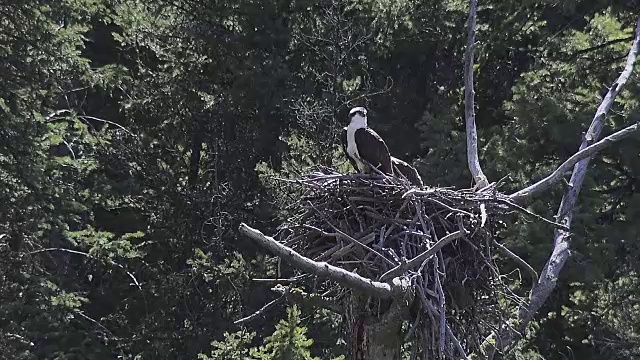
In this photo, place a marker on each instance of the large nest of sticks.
(441, 240)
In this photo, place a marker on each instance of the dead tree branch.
(96, 322)
(261, 311)
(416, 261)
(133, 278)
(551, 271)
(322, 269)
(84, 117)
(519, 260)
(54, 116)
(558, 173)
(469, 103)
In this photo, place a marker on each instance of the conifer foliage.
(135, 136)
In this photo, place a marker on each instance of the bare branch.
(558, 173)
(78, 312)
(527, 212)
(133, 278)
(261, 311)
(56, 113)
(322, 269)
(599, 46)
(519, 260)
(469, 103)
(416, 261)
(106, 122)
(551, 271)
(54, 116)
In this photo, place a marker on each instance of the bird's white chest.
(352, 148)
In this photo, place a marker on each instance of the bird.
(363, 146)
(409, 172)
(366, 144)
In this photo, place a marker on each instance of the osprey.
(360, 143)
(369, 146)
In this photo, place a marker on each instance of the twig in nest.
(422, 257)
(449, 207)
(346, 249)
(432, 311)
(457, 344)
(443, 319)
(530, 213)
(416, 191)
(483, 214)
(347, 237)
(413, 327)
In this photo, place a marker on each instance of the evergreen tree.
(136, 135)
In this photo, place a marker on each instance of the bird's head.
(358, 115)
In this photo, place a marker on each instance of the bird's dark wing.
(373, 149)
(344, 148)
(402, 168)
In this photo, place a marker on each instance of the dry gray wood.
(322, 269)
(587, 152)
(469, 103)
(561, 252)
(416, 261)
(519, 260)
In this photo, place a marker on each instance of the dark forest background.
(135, 136)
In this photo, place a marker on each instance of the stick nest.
(375, 225)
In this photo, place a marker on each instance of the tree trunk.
(378, 338)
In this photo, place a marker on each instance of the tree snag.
(479, 178)
(551, 271)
